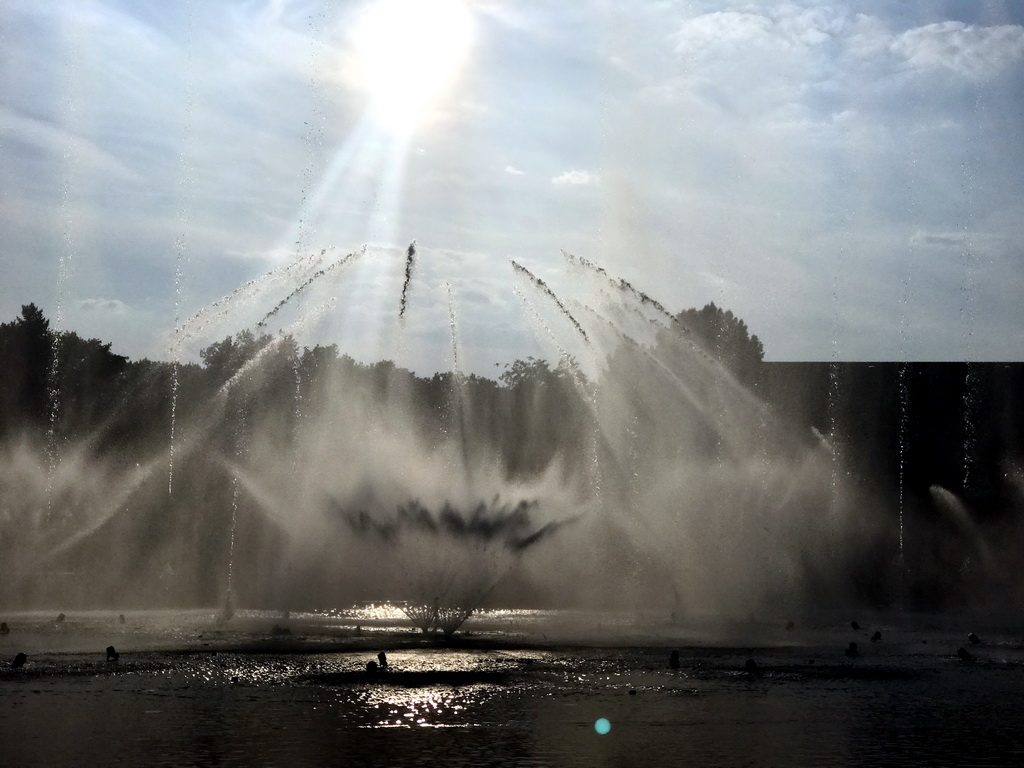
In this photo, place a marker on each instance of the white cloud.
(786, 43)
(785, 26)
(514, 171)
(748, 64)
(716, 29)
(575, 177)
(868, 39)
(973, 52)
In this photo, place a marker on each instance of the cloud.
(974, 52)
(114, 306)
(982, 241)
(514, 171)
(575, 177)
(785, 52)
(748, 64)
(786, 27)
(722, 28)
(945, 239)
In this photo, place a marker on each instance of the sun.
(409, 53)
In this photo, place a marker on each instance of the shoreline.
(191, 631)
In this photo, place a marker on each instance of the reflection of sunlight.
(376, 612)
(440, 707)
(409, 51)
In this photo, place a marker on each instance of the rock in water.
(19, 661)
(112, 655)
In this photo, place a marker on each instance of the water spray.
(551, 295)
(410, 263)
(339, 264)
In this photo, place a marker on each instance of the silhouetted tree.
(87, 384)
(225, 358)
(726, 336)
(546, 414)
(26, 346)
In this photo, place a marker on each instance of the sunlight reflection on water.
(905, 701)
(424, 707)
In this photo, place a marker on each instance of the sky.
(847, 177)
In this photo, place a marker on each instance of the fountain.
(644, 471)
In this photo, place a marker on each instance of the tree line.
(68, 387)
(954, 424)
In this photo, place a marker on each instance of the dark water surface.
(188, 692)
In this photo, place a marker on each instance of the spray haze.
(305, 478)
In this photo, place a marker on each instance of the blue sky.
(846, 177)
